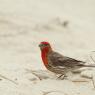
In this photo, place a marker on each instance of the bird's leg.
(62, 76)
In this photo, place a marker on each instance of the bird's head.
(45, 46)
(45, 50)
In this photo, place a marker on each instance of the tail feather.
(89, 65)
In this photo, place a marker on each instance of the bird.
(58, 63)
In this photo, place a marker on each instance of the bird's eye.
(44, 45)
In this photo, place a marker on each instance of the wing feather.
(60, 60)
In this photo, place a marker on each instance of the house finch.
(58, 63)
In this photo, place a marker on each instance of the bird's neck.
(44, 54)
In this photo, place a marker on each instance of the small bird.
(58, 63)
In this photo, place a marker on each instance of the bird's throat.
(44, 54)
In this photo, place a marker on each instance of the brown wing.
(59, 60)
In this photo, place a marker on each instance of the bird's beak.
(40, 45)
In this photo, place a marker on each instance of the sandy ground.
(24, 24)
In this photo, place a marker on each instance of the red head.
(45, 49)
